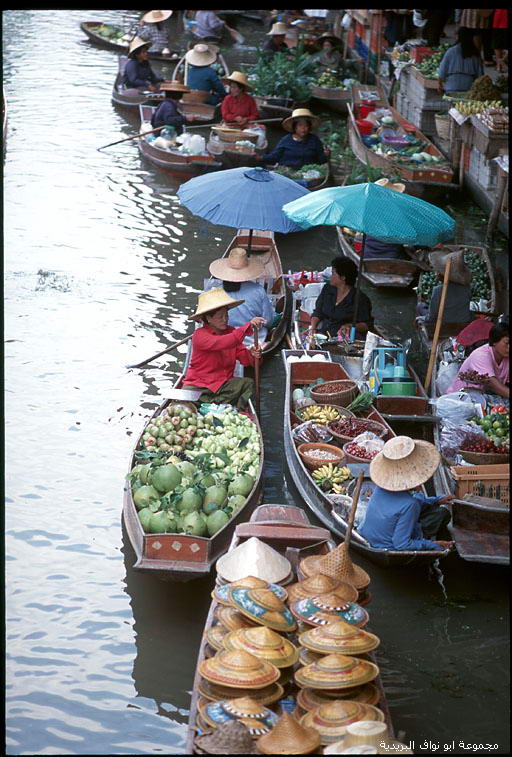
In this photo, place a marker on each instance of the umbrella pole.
(352, 336)
(249, 243)
(257, 372)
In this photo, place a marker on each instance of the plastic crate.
(491, 481)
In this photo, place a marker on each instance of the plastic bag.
(345, 22)
(446, 373)
(457, 407)
(418, 20)
(454, 435)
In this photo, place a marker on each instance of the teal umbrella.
(382, 213)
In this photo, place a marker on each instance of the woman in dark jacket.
(301, 147)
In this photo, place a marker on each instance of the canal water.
(102, 268)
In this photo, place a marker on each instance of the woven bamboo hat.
(337, 564)
(397, 186)
(237, 266)
(231, 619)
(216, 692)
(308, 699)
(154, 17)
(339, 637)
(262, 606)
(306, 656)
(239, 78)
(136, 45)
(201, 55)
(335, 41)
(277, 28)
(173, 86)
(228, 738)
(238, 669)
(265, 643)
(321, 584)
(327, 608)
(289, 737)
(254, 716)
(331, 719)
(336, 671)
(459, 271)
(404, 463)
(220, 593)
(215, 635)
(300, 113)
(253, 557)
(212, 300)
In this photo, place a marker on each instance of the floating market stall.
(114, 38)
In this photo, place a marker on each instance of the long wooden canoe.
(180, 557)
(287, 529)
(131, 98)
(90, 28)
(298, 374)
(173, 160)
(334, 98)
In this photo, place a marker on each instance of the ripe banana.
(322, 414)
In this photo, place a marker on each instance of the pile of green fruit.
(301, 173)
(428, 67)
(483, 89)
(330, 81)
(480, 282)
(497, 428)
(112, 33)
(473, 107)
(206, 480)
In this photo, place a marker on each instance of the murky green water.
(102, 267)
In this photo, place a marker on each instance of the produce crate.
(419, 53)
(427, 83)
(423, 119)
(490, 143)
(484, 171)
(483, 480)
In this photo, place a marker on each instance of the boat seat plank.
(283, 533)
(481, 547)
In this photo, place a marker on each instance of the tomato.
(499, 409)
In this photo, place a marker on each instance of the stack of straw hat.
(336, 671)
(238, 669)
(289, 737)
(263, 607)
(327, 608)
(220, 593)
(308, 699)
(337, 564)
(257, 718)
(255, 558)
(331, 719)
(228, 738)
(321, 584)
(264, 643)
(367, 737)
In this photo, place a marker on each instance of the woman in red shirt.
(500, 38)
(215, 349)
(238, 107)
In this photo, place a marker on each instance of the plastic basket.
(491, 481)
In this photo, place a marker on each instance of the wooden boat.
(381, 272)
(287, 529)
(222, 143)
(90, 28)
(313, 184)
(181, 70)
(480, 528)
(426, 331)
(180, 557)
(274, 107)
(301, 373)
(334, 98)
(173, 160)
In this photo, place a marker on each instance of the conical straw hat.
(228, 738)
(201, 55)
(331, 719)
(336, 564)
(265, 643)
(308, 699)
(239, 78)
(254, 716)
(237, 266)
(336, 671)
(216, 692)
(212, 300)
(215, 635)
(327, 608)
(173, 86)
(321, 584)
(366, 732)
(306, 656)
(404, 463)
(256, 558)
(238, 669)
(300, 113)
(289, 737)
(232, 619)
(278, 28)
(262, 606)
(339, 637)
(220, 593)
(155, 17)
(137, 44)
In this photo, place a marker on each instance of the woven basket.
(313, 463)
(349, 458)
(233, 135)
(442, 126)
(343, 412)
(482, 458)
(377, 428)
(336, 397)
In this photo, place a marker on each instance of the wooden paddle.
(353, 509)
(438, 324)
(127, 139)
(169, 349)
(257, 372)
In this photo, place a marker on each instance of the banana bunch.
(329, 477)
(471, 108)
(321, 414)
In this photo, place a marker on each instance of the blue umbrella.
(372, 209)
(243, 198)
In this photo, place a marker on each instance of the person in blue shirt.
(461, 64)
(138, 74)
(167, 113)
(235, 273)
(300, 147)
(399, 516)
(200, 76)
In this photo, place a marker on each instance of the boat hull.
(335, 99)
(384, 272)
(89, 29)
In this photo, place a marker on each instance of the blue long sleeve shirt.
(167, 114)
(459, 73)
(297, 153)
(206, 79)
(392, 520)
(139, 74)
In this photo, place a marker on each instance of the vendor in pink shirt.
(215, 349)
(492, 360)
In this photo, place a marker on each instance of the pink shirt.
(482, 361)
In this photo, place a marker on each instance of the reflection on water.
(102, 268)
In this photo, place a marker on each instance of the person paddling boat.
(167, 113)
(138, 73)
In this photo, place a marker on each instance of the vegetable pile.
(480, 282)
(352, 427)
(331, 477)
(357, 450)
(309, 171)
(483, 89)
(428, 67)
(474, 107)
(285, 75)
(497, 430)
(112, 33)
(329, 80)
(194, 473)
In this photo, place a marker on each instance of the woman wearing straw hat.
(399, 515)
(300, 147)
(138, 74)
(330, 56)
(167, 113)
(238, 107)
(152, 29)
(276, 43)
(216, 347)
(201, 76)
(235, 274)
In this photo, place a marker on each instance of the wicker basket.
(483, 458)
(336, 397)
(350, 458)
(233, 135)
(377, 428)
(343, 412)
(313, 463)
(442, 121)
